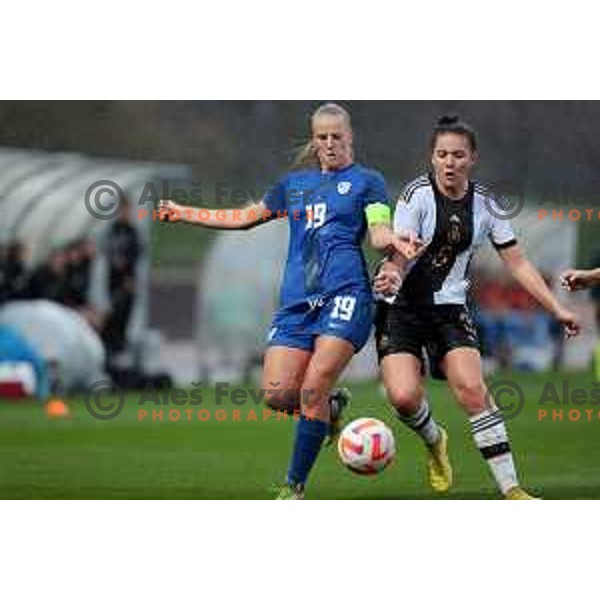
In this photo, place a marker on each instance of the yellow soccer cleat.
(438, 464)
(518, 493)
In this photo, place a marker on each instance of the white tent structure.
(42, 202)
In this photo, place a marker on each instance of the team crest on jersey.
(344, 187)
(454, 236)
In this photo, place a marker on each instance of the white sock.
(422, 423)
(489, 433)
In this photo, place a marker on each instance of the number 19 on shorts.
(343, 307)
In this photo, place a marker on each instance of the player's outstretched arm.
(580, 279)
(407, 244)
(382, 236)
(529, 277)
(245, 217)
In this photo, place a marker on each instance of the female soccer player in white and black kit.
(453, 215)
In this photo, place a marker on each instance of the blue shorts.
(348, 315)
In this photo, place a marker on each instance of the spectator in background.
(528, 333)
(65, 278)
(4, 280)
(18, 277)
(81, 255)
(77, 275)
(515, 331)
(123, 251)
(49, 281)
(14, 280)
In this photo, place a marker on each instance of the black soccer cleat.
(339, 399)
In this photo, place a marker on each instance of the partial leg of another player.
(404, 385)
(330, 357)
(462, 367)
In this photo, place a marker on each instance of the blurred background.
(86, 296)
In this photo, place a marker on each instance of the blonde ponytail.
(305, 158)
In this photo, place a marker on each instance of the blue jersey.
(326, 213)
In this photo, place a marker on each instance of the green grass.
(127, 458)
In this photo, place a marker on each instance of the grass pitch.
(130, 457)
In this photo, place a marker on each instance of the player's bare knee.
(323, 375)
(404, 399)
(471, 395)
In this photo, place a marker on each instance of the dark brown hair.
(453, 124)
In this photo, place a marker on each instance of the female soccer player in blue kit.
(326, 305)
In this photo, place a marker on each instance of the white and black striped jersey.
(454, 229)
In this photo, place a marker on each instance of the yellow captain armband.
(378, 214)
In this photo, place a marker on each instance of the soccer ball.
(366, 446)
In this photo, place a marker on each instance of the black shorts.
(424, 331)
